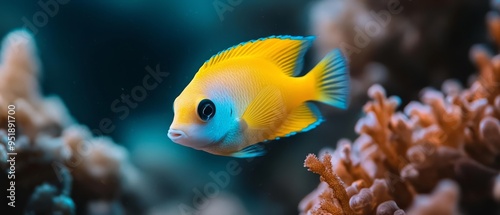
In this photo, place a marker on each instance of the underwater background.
(93, 54)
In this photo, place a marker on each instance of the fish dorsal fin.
(287, 52)
(250, 151)
(265, 111)
(302, 119)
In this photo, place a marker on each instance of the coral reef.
(55, 155)
(438, 156)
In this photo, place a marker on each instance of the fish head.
(201, 119)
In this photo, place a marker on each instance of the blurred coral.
(55, 155)
(417, 42)
(443, 200)
(439, 153)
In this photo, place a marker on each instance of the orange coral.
(451, 134)
(324, 168)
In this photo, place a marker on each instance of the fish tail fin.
(331, 80)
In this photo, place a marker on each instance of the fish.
(253, 93)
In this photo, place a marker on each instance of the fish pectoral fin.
(250, 151)
(302, 119)
(266, 111)
(242, 124)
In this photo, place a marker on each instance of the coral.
(443, 200)
(55, 153)
(324, 168)
(417, 42)
(438, 153)
(496, 189)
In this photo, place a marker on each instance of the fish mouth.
(181, 137)
(176, 134)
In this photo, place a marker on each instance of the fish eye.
(206, 110)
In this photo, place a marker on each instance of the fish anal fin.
(303, 118)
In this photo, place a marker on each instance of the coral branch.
(324, 169)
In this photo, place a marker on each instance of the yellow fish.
(252, 93)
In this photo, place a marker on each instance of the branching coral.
(401, 156)
(54, 154)
(324, 168)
